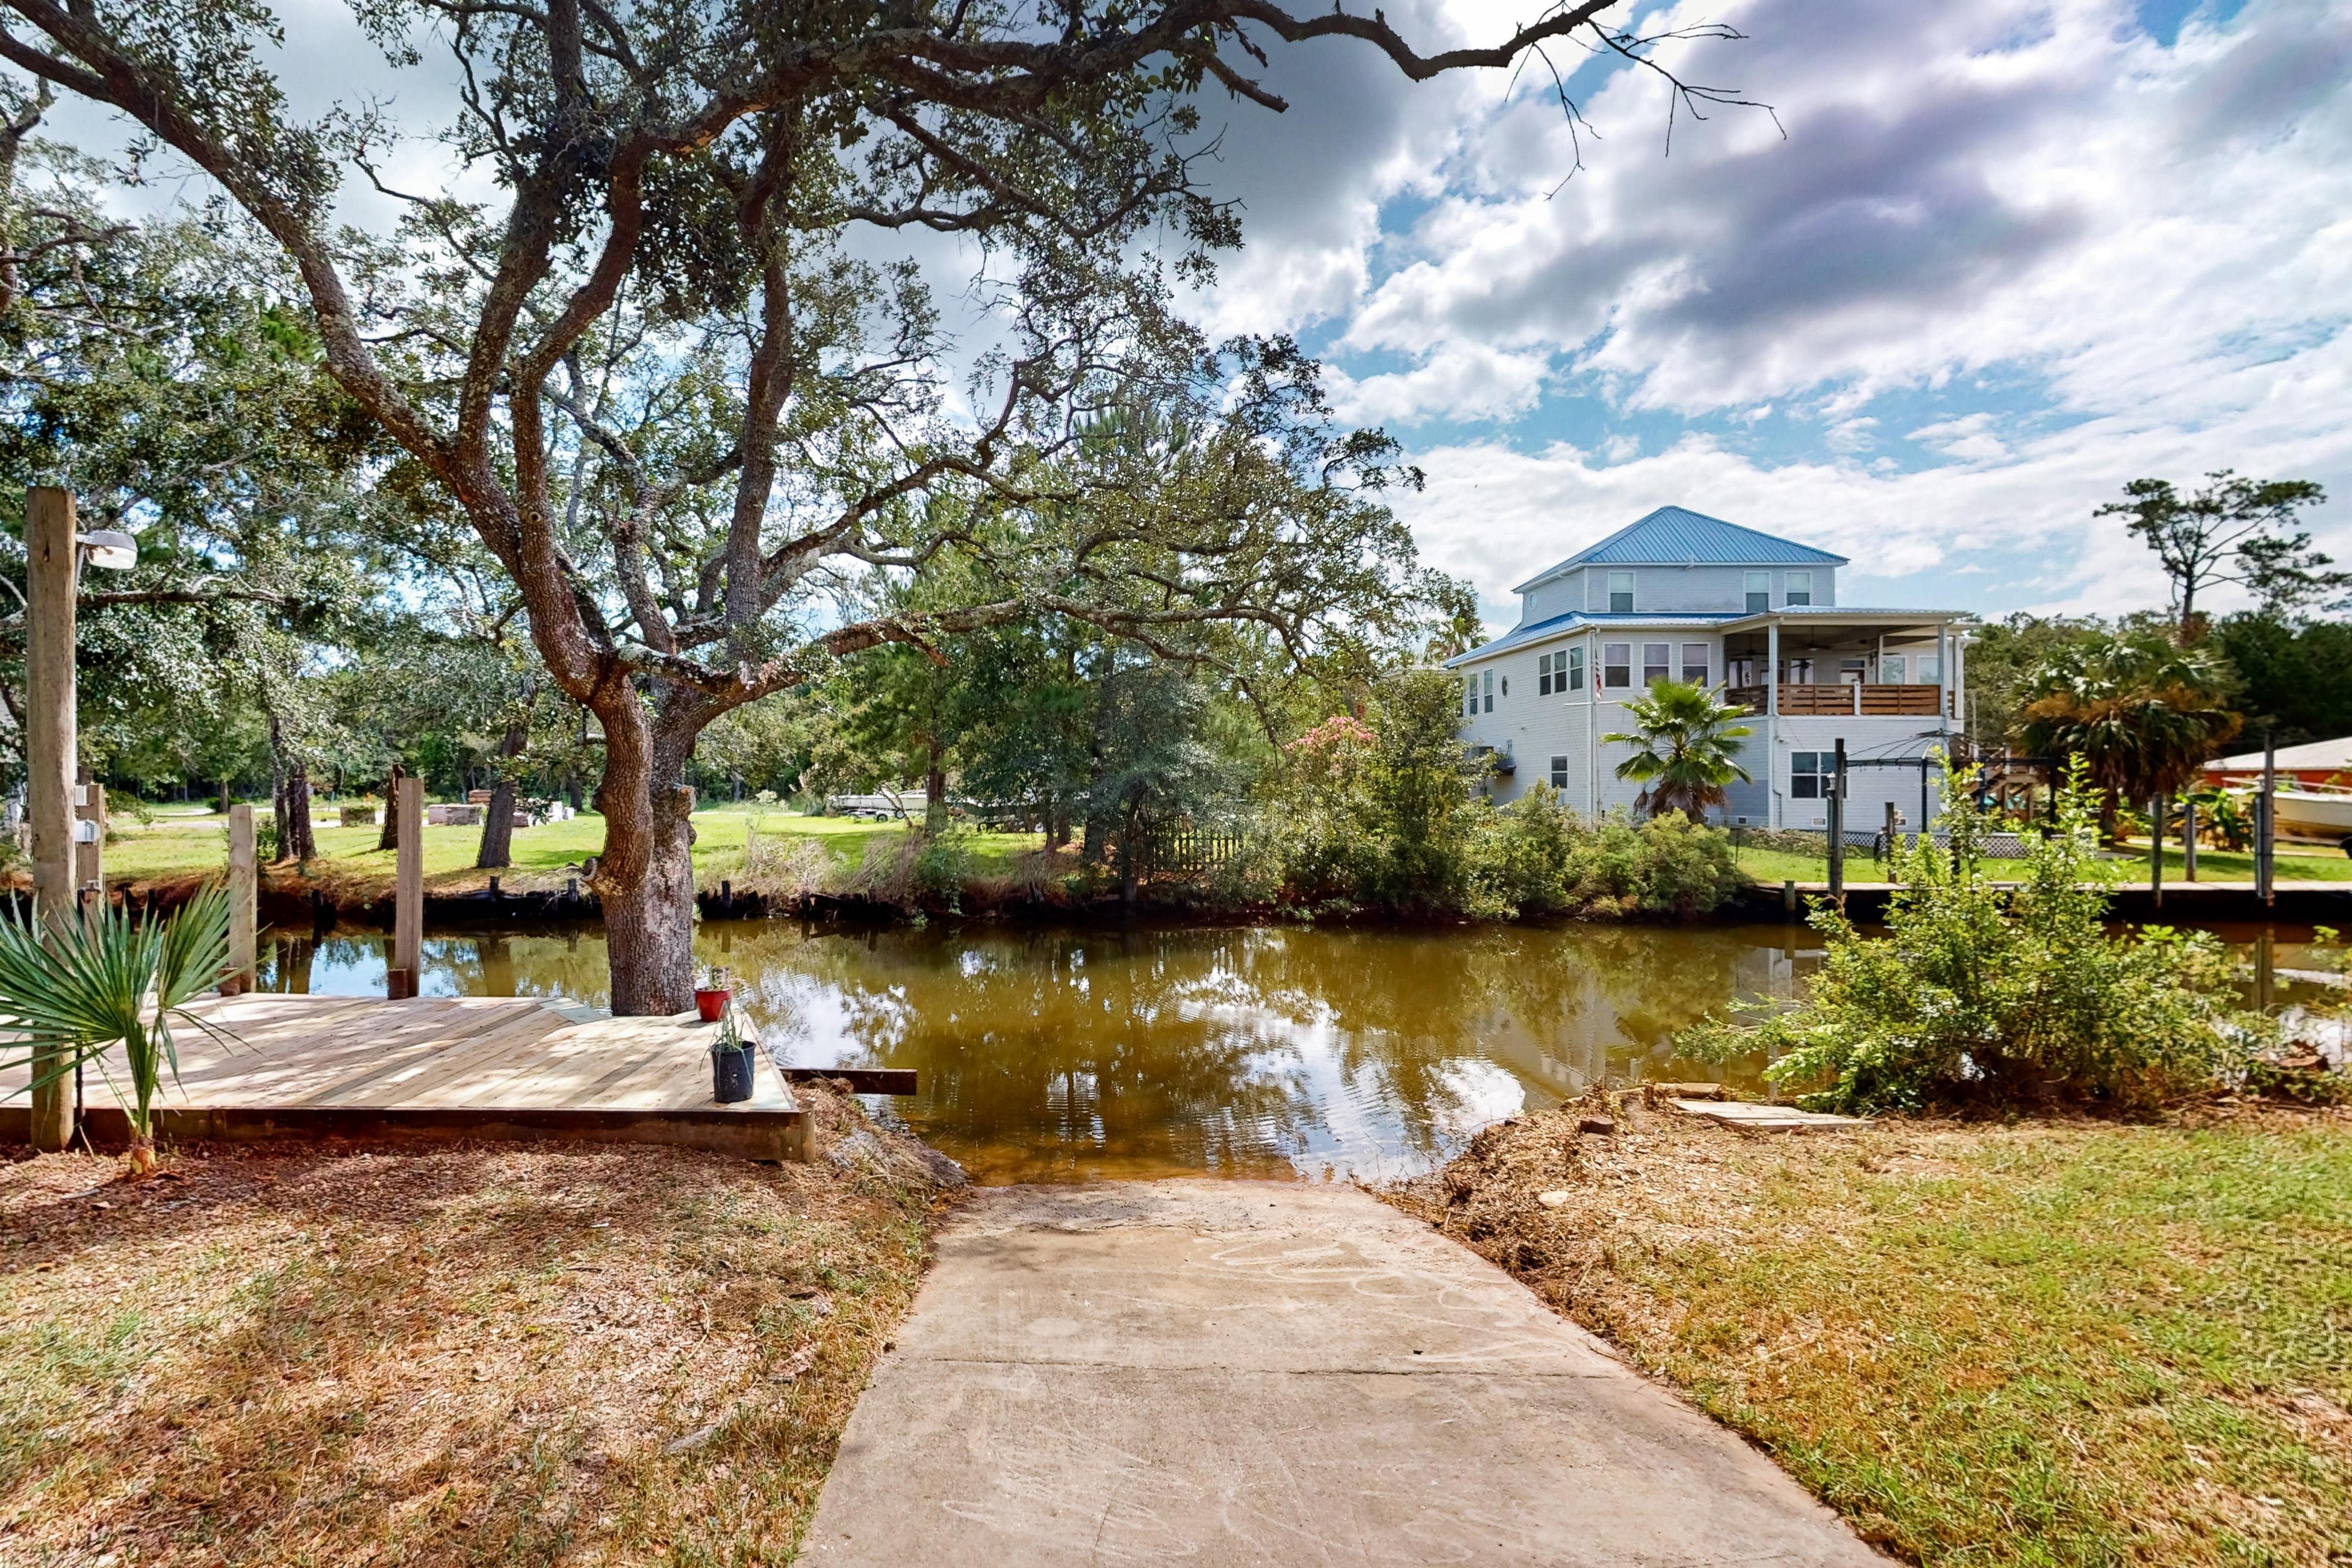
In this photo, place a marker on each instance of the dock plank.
(505, 1066)
(418, 1082)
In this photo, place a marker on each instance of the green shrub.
(1529, 853)
(943, 864)
(1986, 994)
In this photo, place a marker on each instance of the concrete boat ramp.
(1214, 1372)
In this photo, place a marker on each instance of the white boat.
(2314, 811)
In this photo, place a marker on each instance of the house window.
(1799, 587)
(1797, 671)
(1655, 665)
(1559, 773)
(1694, 663)
(1490, 690)
(1854, 671)
(1575, 670)
(1621, 593)
(1616, 665)
(1891, 668)
(1931, 669)
(1805, 771)
(1469, 694)
(1543, 675)
(1739, 671)
(1760, 591)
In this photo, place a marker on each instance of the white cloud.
(1493, 514)
(1969, 438)
(1460, 380)
(1974, 200)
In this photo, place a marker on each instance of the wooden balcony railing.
(1868, 701)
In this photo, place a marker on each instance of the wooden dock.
(487, 1067)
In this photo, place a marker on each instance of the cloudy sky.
(2008, 255)
(1982, 262)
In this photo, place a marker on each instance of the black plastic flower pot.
(730, 1075)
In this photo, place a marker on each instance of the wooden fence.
(1189, 851)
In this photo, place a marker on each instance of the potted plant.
(711, 996)
(731, 1063)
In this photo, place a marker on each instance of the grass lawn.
(2034, 1344)
(2295, 864)
(473, 1354)
(181, 842)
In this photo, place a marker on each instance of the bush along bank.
(1995, 996)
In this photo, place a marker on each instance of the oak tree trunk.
(498, 829)
(289, 799)
(644, 875)
(295, 839)
(497, 821)
(390, 837)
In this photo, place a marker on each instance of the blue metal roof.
(1677, 536)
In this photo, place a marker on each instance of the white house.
(1686, 596)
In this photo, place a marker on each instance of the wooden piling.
(2266, 823)
(50, 745)
(408, 893)
(244, 887)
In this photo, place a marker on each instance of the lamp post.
(54, 552)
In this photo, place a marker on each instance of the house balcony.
(1868, 701)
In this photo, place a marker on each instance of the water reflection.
(1072, 1055)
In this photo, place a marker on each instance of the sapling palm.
(114, 978)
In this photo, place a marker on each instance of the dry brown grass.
(2041, 1343)
(511, 1353)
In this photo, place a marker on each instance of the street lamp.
(108, 548)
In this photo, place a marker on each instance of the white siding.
(1666, 590)
(1868, 789)
(1556, 598)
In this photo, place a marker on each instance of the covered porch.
(1868, 663)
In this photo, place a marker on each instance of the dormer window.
(1621, 593)
(1760, 591)
(1800, 587)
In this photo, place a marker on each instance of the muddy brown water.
(1076, 1055)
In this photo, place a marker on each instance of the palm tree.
(112, 979)
(2142, 713)
(1684, 745)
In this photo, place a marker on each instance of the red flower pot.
(711, 1005)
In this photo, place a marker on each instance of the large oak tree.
(689, 412)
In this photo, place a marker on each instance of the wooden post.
(408, 895)
(50, 557)
(2187, 840)
(2156, 849)
(1893, 828)
(2266, 821)
(1837, 829)
(244, 882)
(1789, 898)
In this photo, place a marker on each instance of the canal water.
(1085, 1054)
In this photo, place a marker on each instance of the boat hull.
(2313, 815)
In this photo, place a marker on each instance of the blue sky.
(2008, 255)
